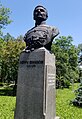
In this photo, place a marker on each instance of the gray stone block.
(36, 85)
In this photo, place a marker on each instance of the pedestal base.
(57, 117)
(36, 85)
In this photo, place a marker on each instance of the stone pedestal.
(36, 85)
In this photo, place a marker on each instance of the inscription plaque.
(50, 92)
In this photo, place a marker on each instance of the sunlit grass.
(64, 109)
(7, 106)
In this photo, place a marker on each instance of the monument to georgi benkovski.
(37, 73)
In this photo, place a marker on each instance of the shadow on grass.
(7, 92)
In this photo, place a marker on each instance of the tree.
(66, 60)
(8, 37)
(4, 17)
(79, 53)
(2, 46)
(20, 38)
(78, 100)
(80, 47)
(10, 59)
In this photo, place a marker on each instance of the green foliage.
(9, 58)
(8, 37)
(4, 17)
(79, 48)
(66, 59)
(78, 100)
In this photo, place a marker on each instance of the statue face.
(40, 13)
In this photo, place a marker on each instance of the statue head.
(40, 13)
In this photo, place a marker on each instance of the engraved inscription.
(31, 63)
(51, 80)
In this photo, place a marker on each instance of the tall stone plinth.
(36, 85)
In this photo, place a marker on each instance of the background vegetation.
(10, 48)
(67, 60)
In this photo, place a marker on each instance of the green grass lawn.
(7, 103)
(63, 107)
(7, 106)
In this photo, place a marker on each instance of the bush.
(66, 83)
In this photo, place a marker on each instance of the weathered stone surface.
(36, 85)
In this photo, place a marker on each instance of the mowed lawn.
(63, 107)
(7, 107)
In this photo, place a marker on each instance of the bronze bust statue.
(41, 35)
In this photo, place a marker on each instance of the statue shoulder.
(51, 28)
(55, 31)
